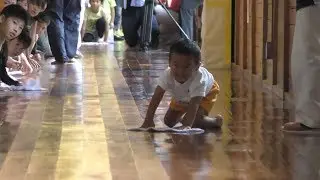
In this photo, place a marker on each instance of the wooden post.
(258, 38)
(286, 48)
(237, 31)
(275, 4)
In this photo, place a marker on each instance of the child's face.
(95, 4)
(13, 26)
(23, 4)
(182, 67)
(34, 10)
(41, 27)
(15, 47)
(9, 2)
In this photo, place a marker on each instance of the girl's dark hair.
(17, 11)
(43, 17)
(41, 3)
(186, 47)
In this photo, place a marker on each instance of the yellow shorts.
(206, 103)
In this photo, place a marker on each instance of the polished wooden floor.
(77, 130)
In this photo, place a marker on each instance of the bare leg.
(203, 121)
(172, 117)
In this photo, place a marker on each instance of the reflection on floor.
(78, 129)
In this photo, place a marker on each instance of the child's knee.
(172, 117)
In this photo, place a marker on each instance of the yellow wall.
(216, 33)
(1, 4)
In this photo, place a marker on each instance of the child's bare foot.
(219, 120)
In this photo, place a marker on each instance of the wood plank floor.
(77, 130)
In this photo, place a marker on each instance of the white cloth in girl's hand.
(175, 130)
(29, 84)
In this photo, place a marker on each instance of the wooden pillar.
(250, 22)
(281, 45)
(242, 32)
(275, 13)
(268, 37)
(237, 31)
(263, 40)
(257, 60)
(266, 31)
(286, 46)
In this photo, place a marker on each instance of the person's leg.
(305, 70)
(88, 37)
(117, 18)
(71, 17)
(101, 27)
(155, 32)
(202, 119)
(118, 34)
(187, 11)
(146, 19)
(175, 114)
(44, 46)
(186, 20)
(172, 117)
(130, 25)
(56, 31)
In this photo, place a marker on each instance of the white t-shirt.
(199, 84)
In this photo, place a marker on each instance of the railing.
(262, 40)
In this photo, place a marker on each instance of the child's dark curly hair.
(186, 47)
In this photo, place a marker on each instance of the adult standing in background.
(63, 30)
(132, 21)
(187, 11)
(118, 33)
(305, 67)
(109, 7)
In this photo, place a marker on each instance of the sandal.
(298, 128)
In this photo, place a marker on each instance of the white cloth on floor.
(170, 130)
(28, 83)
(305, 66)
